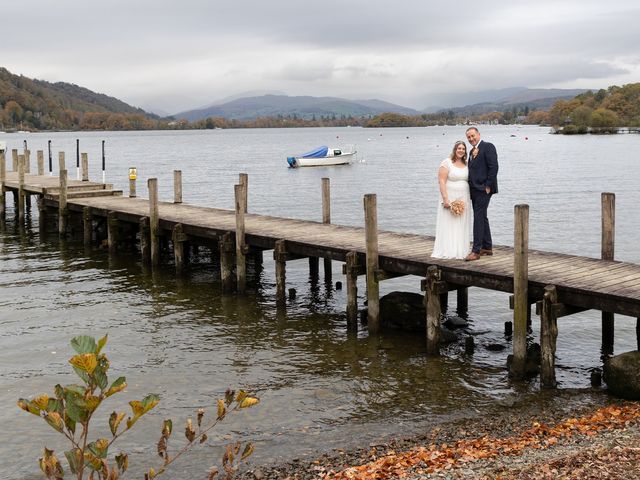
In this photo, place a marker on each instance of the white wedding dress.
(453, 233)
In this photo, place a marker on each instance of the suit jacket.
(483, 170)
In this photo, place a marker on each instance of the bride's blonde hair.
(453, 152)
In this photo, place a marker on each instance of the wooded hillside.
(27, 104)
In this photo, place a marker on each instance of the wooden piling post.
(177, 186)
(280, 257)
(145, 240)
(85, 167)
(178, 239)
(21, 194)
(351, 271)
(112, 231)
(227, 249)
(608, 201)
(61, 162)
(87, 226)
(548, 337)
(462, 301)
(444, 302)
(154, 221)
(373, 288)
(42, 216)
(40, 157)
(520, 289)
(243, 179)
(62, 204)
(434, 311)
(27, 161)
(326, 218)
(14, 157)
(3, 195)
(241, 248)
(314, 268)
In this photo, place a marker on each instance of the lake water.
(320, 386)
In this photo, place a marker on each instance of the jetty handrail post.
(177, 186)
(61, 162)
(326, 218)
(21, 194)
(241, 248)
(351, 270)
(50, 158)
(521, 307)
(548, 337)
(62, 204)
(227, 249)
(243, 179)
(14, 157)
(280, 257)
(373, 287)
(608, 201)
(154, 221)
(85, 167)
(40, 157)
(3, 195)
(87, 226)
(77, 159)
(27, 161)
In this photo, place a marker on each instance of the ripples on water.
(321, 386)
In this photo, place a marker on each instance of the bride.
(453, 232)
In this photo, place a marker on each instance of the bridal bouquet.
(457, 207)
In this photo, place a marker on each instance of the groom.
(483, 182)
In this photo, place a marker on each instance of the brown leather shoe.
(486, 251)
(472, 256)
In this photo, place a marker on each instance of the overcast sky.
(177, 55)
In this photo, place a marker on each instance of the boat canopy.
(317, 153)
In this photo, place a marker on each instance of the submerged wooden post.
(227, 249)
(351, 271)
(243, 179)
(373, 288)
(520, 289)
(61, 162)
(462, 301)
(62, 204)
(21, 194)
(145, 240)
(326, 218)
(40, 157)
(178, 239)
(314, 268)
(434, 310)
(280, 257)
(87, 226)
(607, 253)
(112, 231)
(85, 166)
(154, 221)
(548, 337)
(177, 186)
(3, 195)
(241, 247)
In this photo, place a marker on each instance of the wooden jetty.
(558, 284)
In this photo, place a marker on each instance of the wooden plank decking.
(580, 281)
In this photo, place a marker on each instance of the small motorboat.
(3, 146)
(321, 156)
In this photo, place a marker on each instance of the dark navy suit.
(483, 172)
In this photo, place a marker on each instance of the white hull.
(342, 159)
